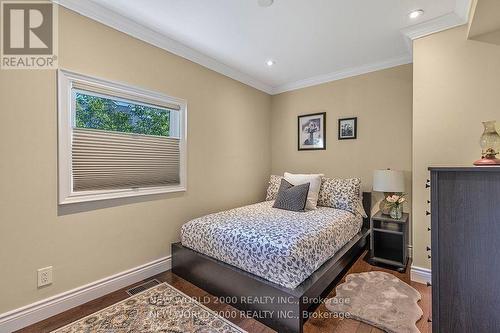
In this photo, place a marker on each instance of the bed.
(275, 263)
(281, 246)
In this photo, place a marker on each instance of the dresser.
(465, 249)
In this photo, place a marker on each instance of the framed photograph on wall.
(311, 131)
(348, 128)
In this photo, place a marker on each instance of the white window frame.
(66, 120)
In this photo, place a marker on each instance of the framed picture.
(312, 131)
(348, 128)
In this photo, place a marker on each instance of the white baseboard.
(32, 313)
(420, 275)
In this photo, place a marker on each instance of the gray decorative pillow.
(291, 197)
(272, 189)
(340, 193)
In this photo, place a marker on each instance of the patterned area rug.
(159, 309)
(378, 299)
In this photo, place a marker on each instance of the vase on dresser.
(490, 145)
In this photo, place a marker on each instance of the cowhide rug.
(378, 299)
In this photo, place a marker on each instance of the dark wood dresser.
(465, 250)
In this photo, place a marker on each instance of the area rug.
(159, 309)
(378, 299)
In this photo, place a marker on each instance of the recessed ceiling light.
(416, 13)
(265, 3)
(270, 62)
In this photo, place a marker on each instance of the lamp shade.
(388, 181)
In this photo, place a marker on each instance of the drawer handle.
(428, 248)
(428, 229)
(429, 284)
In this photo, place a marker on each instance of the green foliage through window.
(119, 116)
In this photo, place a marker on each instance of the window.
(118, 141)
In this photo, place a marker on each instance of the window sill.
(87, 196)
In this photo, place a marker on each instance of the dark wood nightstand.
(388, 241)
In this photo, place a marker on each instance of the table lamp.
(390, 182)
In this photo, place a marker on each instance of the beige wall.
(491, 37)
(381, 100)
(228, 164)
(456, 87)
(484, 24)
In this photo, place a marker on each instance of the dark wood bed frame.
(280, 308)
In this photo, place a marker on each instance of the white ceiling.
(311, 41)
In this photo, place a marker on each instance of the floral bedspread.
(278, 245)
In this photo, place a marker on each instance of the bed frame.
(281, 308)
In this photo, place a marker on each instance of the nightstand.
(389, 239)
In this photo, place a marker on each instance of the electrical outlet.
(44, 276)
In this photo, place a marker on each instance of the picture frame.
(348, 128)
(311, 131)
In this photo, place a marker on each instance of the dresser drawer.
(465, 231)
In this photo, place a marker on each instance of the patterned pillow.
(340, 193)
(272, 189)
(291, 197)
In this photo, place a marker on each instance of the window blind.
(110, 160)
(114, 93)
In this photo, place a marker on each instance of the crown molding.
(130, 27)
(459, 17)
(342, 74)
(437, 24)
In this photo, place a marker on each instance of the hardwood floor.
(313, 325)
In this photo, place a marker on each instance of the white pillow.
(315, 183)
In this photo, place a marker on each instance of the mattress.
(281, 246)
